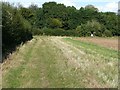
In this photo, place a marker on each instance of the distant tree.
(40, 19)
(80, 31)
(107, 33)
(73, 17)
(91, 27)
(54, 10)
(110, 20)
(33, 7)
(91, 7)
(26, 13)
(54, 15)
(54, 23)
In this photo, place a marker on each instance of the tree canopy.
(20, 23)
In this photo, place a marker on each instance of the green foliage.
(91, 7)
(118, 28)
(39, 18)
(57, 32)
(19, 23)
(80, 31)
(53, 15)
(54, 23)
(110, 20)
(91, 27)
(15, 28)
(26, 13)
(37, 31)
(107, 33)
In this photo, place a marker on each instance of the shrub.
(54, 23)
(91, 27)
(37, 31)
(59, 32)
(107, 33)
(15, 28)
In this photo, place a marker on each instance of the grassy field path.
(55, 62)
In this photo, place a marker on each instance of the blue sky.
(102, 5)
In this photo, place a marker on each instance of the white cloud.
(92, 0)
(108, 5)
(68, 2)
(111, 6)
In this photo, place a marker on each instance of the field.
(68, 62)
(106, 42)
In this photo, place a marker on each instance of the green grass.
(100, 56)
(14, 74)
(45, 64)
(94, 48)
(43, 67)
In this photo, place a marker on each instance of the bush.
(54, 23)
(54, 32)
(107, 33)
(15, 29)
(91, 27)
(58, 32)
(37, 31)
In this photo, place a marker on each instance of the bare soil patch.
(106, 42)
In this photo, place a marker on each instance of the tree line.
(19, 23)
(80, 22)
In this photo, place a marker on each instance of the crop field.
(106, 42)
(63, 62)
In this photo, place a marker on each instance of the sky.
(102, 5)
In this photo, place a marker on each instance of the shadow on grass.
(7, 50)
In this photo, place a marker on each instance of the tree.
(91, 27)
(26, 13)
(15, 28)
(107, 33)
(91, 7)
(54, 23)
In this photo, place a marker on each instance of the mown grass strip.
(93, 48)
(14, 74)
